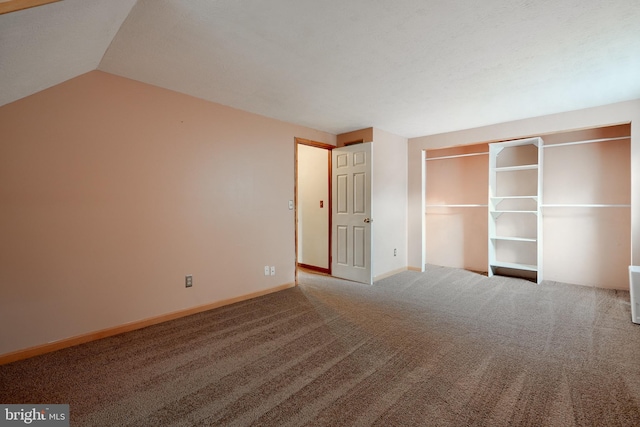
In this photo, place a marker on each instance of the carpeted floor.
(441, 348)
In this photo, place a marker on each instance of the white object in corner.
(634, 292)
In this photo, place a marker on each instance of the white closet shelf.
(456, 156)
(589, 141)
(498, 198)
(514, 211)
(515, 239)
(514, 265)
(516, 168)
(584, 205)
(456, 206)
(534, 196)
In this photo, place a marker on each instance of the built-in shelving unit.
(515, 195)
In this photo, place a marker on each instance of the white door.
(351, 203)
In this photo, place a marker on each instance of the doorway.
(313, 205)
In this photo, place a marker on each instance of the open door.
(351, 210)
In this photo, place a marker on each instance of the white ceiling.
(46, 45)
(411, 67)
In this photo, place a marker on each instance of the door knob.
(368, 220)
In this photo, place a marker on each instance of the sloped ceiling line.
(41, 47)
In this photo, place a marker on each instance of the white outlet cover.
(273, 271)
(266, 270)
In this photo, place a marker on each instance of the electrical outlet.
(395, 252)
(273, 270)
(188, 281)
(266, 270)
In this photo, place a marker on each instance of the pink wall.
(112, 191)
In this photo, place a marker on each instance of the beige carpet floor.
(442, 348)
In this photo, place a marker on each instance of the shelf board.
(500, 198)
(514, 265)
(457, 156)
(516, 168)
(513, 211)
(515, 239)
(564, 144)
(584, 205)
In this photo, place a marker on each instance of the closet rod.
(585, 205)
(589, 141)
(455, 156)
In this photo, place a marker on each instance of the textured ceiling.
(411, 67)
(46, 45)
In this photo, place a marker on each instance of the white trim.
(501, 198)
(393, 273)
(456, 206)
(585, 205)
(515, 239)
(456, 156)
(516, 168)
(514, 211)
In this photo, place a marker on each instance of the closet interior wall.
(456, 207)
(586, 209)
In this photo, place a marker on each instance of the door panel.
(359, 193)
(359, 247)
(342, 245)
(341, 193)
(351, 242)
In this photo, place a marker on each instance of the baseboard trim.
(390, 273)
(128, 327)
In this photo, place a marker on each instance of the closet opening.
(313, 205)
(584, 207)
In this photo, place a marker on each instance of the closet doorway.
(313, 205)
(585, 207)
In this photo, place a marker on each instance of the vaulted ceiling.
(411, 67)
